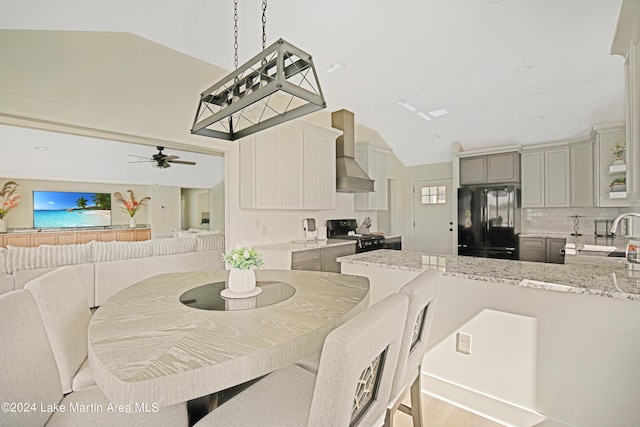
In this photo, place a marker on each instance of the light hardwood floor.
(436, 413)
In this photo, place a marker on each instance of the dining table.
(172, 338)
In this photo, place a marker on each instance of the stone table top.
(146, 347)
(600, 276)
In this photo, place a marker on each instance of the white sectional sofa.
(108, 267)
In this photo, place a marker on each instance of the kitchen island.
(562, 341)
(314, 255)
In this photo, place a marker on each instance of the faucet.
(616, 221)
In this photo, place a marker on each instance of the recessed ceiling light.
(438, 113)
(40, 148)
(336, 66)
(524, 68)
(537, 119)
(406, 105)
(424, 116)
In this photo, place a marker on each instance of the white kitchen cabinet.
(278, 177)
(498, 168)
(605, 137)
(533, 179)
(557, 178)
(374, 160)
(319, 170)
(473, 170)
(582, 176)
(503, 167)
(546, 178)
(291, 166)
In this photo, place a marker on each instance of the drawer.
(532, 242)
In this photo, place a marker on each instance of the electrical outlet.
(463, 343)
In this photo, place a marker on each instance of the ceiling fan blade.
(182, 162)
(140, 161)
(171, 157)
(140, 157)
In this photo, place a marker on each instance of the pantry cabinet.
(289, 166)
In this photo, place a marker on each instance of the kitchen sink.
(616, 254)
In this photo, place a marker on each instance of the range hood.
(350, 177)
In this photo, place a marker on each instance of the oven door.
(365, 245)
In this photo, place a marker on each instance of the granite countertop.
(606, 277)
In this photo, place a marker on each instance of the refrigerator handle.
(485, 217)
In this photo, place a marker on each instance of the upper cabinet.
(291, 166)
(490, 169)
(374, 160)
(545, 178)
(582, 174)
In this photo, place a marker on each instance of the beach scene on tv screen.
(55, 209)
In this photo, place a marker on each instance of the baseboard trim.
(498, 411)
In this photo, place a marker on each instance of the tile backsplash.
(562, 220)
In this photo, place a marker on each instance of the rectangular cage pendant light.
(277, 85)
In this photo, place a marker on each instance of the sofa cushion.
(29, 258)
(175, 245)
(63, 307)
(112, 251)
(29, 372)
(209, 242)
(3, 261)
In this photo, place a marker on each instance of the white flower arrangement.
(618, 150)
(243, 258)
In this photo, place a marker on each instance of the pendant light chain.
(235, 33)
(264, 24)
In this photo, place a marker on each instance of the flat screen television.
(64, 209)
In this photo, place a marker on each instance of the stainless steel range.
(345, 229)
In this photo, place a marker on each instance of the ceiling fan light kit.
(243, 102)
(161, 160)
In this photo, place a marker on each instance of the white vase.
(132, 222)
(3, 226)
(241, 281)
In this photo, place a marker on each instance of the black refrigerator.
(489, 221)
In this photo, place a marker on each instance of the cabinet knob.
(451, 229)
(451, 223)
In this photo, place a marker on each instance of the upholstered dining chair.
(61, 300)
(31, 387)
(352, 386)
(422, 292)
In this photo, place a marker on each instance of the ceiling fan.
(161, 160)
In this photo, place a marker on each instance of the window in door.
(435, 195)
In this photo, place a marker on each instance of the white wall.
(85, 159)
(164, 212)
(22, 216)
(77, 163)
(588, 348)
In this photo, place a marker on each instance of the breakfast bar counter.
(600, 276)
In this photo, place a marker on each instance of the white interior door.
(433, 216)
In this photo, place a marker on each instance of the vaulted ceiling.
(507, 71)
